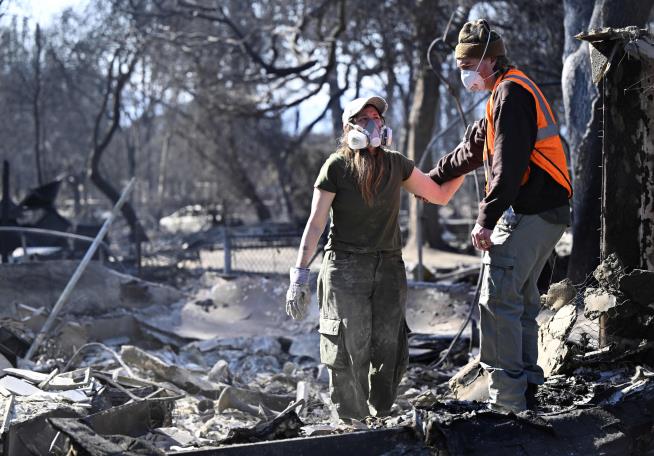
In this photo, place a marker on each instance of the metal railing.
(24, 231)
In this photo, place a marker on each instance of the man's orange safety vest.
(548, 151)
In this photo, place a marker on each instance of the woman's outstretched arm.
(424, 187)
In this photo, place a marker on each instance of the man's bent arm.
(466, 157)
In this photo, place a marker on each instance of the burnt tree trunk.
(242, 180)
(424, 107)
(584, 128)
(115, 86)
(36, 104)
(628, 161)
(334, 103)
(585, 254)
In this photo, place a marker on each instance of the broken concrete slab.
(261, 345)
(55, 381)
(220, 373)
(177, 437)
(106, 328)
(18, 386)
(176, 375)
(554, 353)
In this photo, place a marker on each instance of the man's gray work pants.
(363, 337)
(509, 303)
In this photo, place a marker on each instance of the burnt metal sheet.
(33, 437)
(132, 419)
(394, 441)
(92, 444)
(12, 346)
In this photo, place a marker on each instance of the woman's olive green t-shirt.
(355, 226)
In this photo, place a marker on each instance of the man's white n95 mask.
(472, 80)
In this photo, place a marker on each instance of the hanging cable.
(457, 101)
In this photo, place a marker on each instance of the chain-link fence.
(254, 254)
(231, 251)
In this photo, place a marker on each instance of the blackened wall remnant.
(623, 66)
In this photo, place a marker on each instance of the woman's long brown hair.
(367, 168)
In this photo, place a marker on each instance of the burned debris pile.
(133, 367)
(139, 368)
(145, 376)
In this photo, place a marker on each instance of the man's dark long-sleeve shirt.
(514, 118)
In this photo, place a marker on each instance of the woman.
(362, 280)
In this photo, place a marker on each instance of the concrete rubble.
(219, 365)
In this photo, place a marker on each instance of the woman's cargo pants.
(363, 334)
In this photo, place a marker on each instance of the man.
(523, 215)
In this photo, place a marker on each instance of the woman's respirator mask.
(370, 135)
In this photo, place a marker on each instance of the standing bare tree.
(36, 103)
(584, 120)
(119, 72)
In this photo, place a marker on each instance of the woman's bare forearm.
(423, 186)
(322, 201)
(308, 245)
(450, 187)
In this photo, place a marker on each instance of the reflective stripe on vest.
(548, 151)
(551, 129)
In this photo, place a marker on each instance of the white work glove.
(298, 295)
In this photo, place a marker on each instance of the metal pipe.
(227, 251)
(53, 233)
(419, 207)
(5, 209)
(79, 271)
